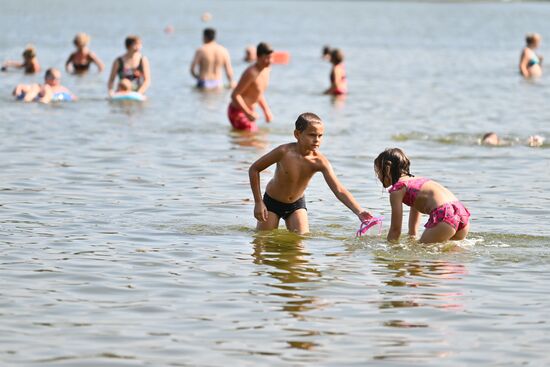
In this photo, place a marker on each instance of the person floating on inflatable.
(296, 164)
(124, 92)
(132, 66)
(50, 91)
(30, 62)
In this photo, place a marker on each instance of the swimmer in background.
(338, 82)
(79, 61)
(132, 66)
(250, 54)
(250, 91)
(124, 88)
(50, 91)
(296, 164)
(493, 139)
(210, 58)
(30, 62)
(449, 219)
(490, 138)
(530, 64)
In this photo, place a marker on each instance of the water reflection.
(256, 139)
(286, 254)
(128, 108)
(338, 101)
(419, 283)
(288, 261)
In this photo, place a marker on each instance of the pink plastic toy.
(366, 225)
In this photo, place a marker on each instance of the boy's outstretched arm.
(260, 211)
(342, 193)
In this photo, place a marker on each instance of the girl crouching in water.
(448, 217)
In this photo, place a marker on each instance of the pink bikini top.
(412, 188)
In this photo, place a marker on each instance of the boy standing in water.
(296, 164)
(250, 90)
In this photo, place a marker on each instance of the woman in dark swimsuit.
(80, 60)
(132, 66)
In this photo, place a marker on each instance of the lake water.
(127, 234)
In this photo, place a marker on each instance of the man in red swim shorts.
(250, 90)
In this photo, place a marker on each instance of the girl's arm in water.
(396, 201)
(414, 220)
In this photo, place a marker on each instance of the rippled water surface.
(127, 230)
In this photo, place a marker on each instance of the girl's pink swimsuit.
(452, 213)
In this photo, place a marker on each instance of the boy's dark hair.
(131, 40)
(209, 34)
(326, 50)
(398, 162)
(305, 119)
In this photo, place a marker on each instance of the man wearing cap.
(250, 90)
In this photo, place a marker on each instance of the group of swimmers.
(131, 68)
(296, 162)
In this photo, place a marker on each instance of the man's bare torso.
(212, 57)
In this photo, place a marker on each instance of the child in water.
(79, 61)
(338, 82)
(530, 64)
(492, 139)
(30, 62)
(124, 91)
(51, 90)
(448, 217)
(296, 164)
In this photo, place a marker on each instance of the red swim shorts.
(239, 120)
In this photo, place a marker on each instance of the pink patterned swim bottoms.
(453, 213)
